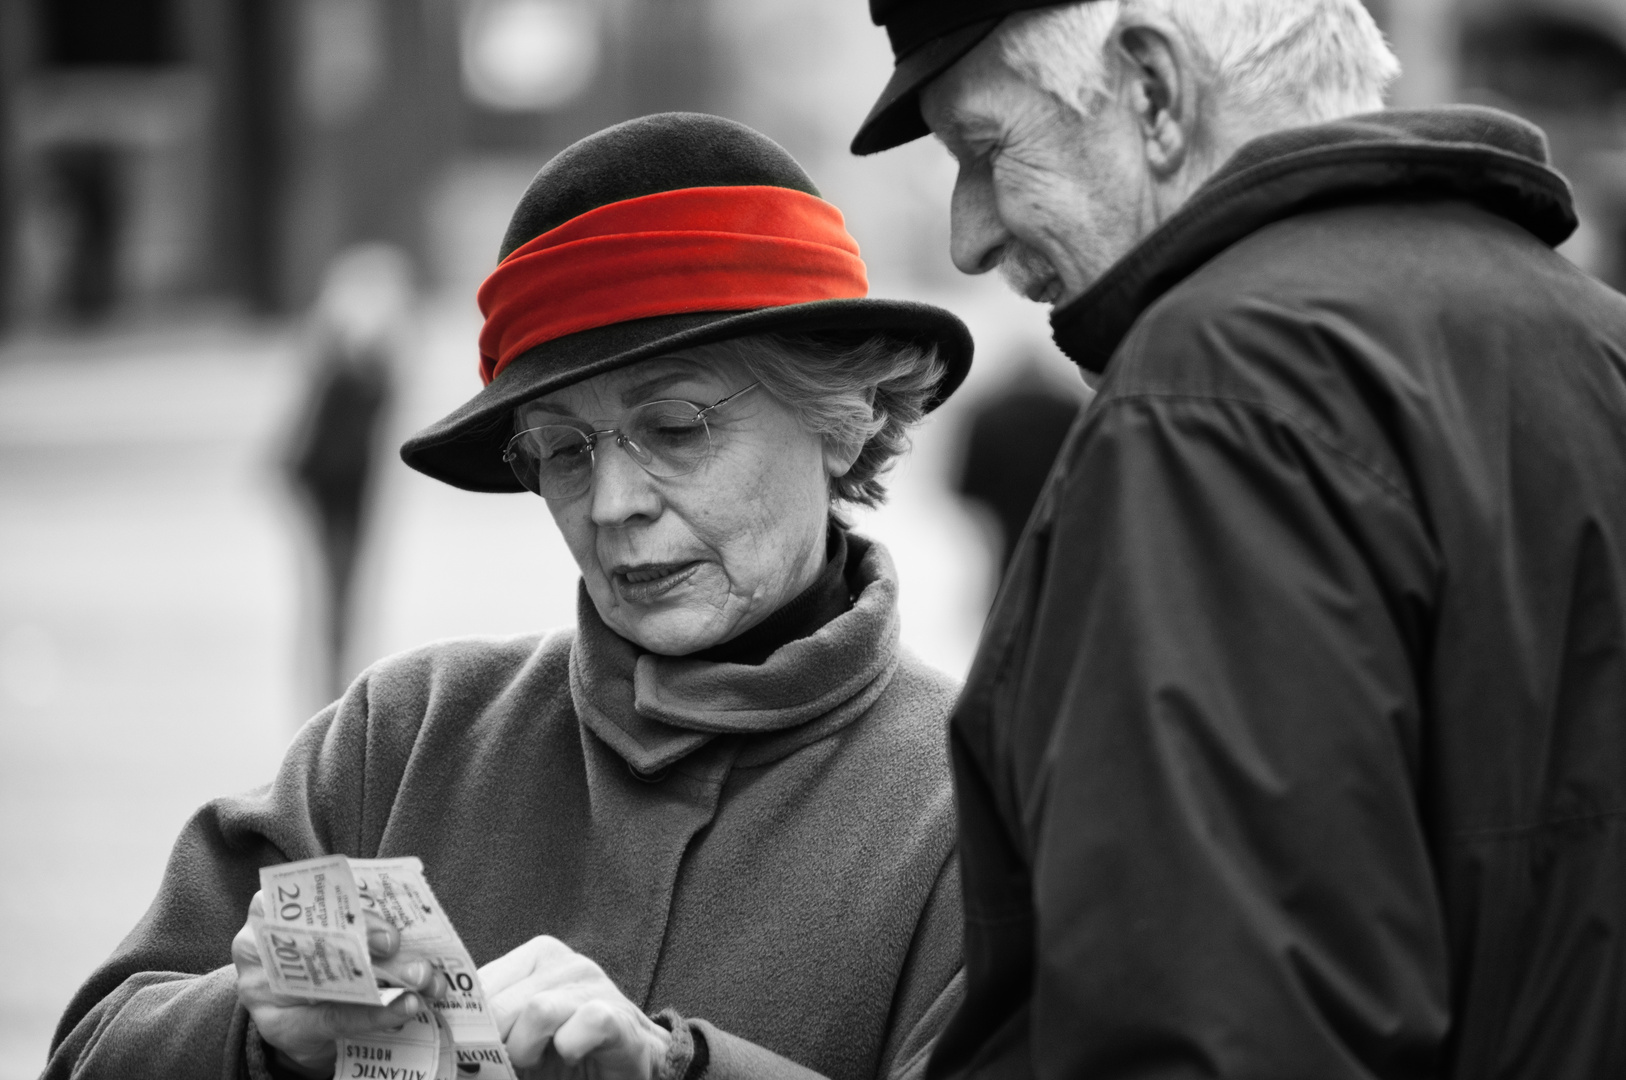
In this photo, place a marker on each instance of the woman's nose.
(977, 233)
(621, 489)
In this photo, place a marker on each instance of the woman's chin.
(674, 614)
(665, 635)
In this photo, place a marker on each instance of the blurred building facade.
(1559, 63)
(160, 154)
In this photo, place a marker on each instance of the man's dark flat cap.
(624, 167)
(928, 36)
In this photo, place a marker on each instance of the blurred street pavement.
(146, 606)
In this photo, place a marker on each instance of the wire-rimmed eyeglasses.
(666, 438)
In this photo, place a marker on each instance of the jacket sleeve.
(1223, 830)
(930, 988)
(168, 994)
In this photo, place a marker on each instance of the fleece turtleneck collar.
(828, 596)
(1466, 152)
(656, 710)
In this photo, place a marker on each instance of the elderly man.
(1296, 746)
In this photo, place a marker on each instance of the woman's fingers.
(542, 953)
(545, 994)
(419, 975)
(533, 1024)
(245, 951)
(342, 1021)
(614, 1042)
(596, 1026)
(506, 1005)
(611, 1040)
(383, 941)
(306, 1032)
(382, 938)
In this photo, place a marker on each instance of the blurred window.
(1567, 72)
(78, 33)
(341, 58)
(529, 55)
(1549, 63)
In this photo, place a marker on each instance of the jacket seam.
(1492, 832)
(372, 732)
(1387, 483)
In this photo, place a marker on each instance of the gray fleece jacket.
(767, 850)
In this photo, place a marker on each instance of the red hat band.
(671, 253)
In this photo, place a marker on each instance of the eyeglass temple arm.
(726, 400)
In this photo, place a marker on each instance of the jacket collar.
(1460, 152)
(656, 710)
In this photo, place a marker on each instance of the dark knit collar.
(814, 606)
(1459, 152)
(656, 710)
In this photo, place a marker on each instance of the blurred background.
(239, 243)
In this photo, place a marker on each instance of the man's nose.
(977, 233)
(622, 490)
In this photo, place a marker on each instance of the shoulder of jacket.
(923, 678)
(462, 672)
(920, 697)
(474, 655)
(1376, 262)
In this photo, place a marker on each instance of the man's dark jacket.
(1296, 744)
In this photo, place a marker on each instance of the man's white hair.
(1280, 62)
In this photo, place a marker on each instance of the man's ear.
(1162, 95)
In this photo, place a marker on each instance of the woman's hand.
(560, 1015)
(302, 1033)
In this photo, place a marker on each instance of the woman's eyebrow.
(640, 392)
(636, 394)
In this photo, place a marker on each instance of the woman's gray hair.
(849, 389)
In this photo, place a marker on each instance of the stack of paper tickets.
(313, 941)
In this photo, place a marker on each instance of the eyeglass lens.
(666, 438)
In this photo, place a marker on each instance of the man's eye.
(980, 155)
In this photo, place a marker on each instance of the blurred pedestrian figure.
(356, 339)
(86, 183)
(1012, 442)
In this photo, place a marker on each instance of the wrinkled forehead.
(976, 99)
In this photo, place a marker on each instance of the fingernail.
(417, 971)
(410, 1003)
(378, 939)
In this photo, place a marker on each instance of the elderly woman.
(708, 832)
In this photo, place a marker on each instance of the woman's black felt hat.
(654, 154)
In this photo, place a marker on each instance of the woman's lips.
(650, 581)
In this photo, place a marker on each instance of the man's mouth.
(1047, 291)
(1030, 274)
